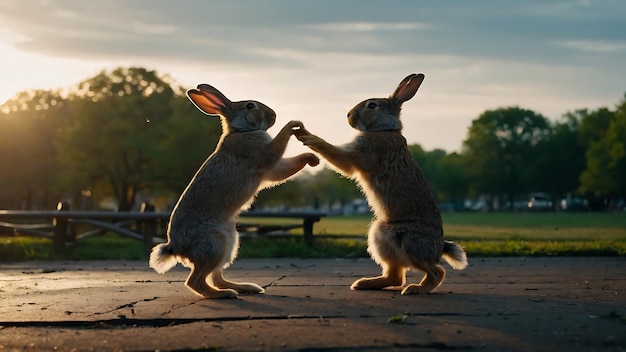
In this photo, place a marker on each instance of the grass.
(108, 246)
(482, 234)
(512, 234)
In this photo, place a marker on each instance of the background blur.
(522, 108)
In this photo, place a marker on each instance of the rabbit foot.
(374, 283)
(250, 288)
(241, 287)
(211, 292)
(225, 293)
(414, 289)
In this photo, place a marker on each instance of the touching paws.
(295, 126)
(308, 139)
(312, 141)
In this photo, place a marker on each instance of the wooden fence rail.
(145, 225)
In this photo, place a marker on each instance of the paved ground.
(512, 304)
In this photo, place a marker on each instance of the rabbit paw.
(301, 131)
(311, 141)
(295, 126)
(251, 288)
(414, 289)
(377, 283)
(310, 159)
(222, 293)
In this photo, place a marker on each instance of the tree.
(430, 163)
(324, 188)
(500, 150)
(294, 192)
(606, 158)
(111, 145)
(593, 124)
(453, 180)
(184, 141)
(28, 161)
(561, 157)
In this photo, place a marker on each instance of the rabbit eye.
(372, 105)
(250, 106)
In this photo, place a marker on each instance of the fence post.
(307, 229)
(148, 226)
(60, 229)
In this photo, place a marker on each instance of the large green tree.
(561, 157)
(184, 141)
(593, 124)
(500, 150)
(111, 145)
(28, 163)
(605, 170)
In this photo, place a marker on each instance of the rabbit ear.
(407, 88)
(209, 100)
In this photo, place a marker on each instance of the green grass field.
(482, 234)
(510, 234)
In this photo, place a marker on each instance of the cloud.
(595, 46)
(241, 31)
(550, 56)
(366, 26)
(154, 28)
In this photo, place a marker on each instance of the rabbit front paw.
(310, 159)
(295, 126)
(311, 141)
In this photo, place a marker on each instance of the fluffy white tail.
(454, 255)
(162, 259)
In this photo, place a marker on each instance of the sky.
(314, 60)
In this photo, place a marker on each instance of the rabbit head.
(383, 114)
(238, 116)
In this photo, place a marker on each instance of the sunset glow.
(313, 65)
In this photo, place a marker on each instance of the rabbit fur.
(201, 232)
(407, 230)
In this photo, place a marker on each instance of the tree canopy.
(130, 134)
(110, 143)
(501, 150)
(605, 172)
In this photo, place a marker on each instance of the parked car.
(573, 204)
(481, 205)
(539, 202)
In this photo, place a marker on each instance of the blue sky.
(314, 60)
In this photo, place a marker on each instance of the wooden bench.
(58, 223)
(309, 218)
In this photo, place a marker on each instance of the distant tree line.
(130, 135)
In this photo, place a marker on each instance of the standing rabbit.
(406, 231)
(201, 233)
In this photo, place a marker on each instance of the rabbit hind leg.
(197, 281)
(241, 287)
(382, 246)
(435, 274)
(393, 275)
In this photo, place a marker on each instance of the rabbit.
(407, 230)
(201, 232)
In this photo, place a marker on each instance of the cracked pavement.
(508, 304)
